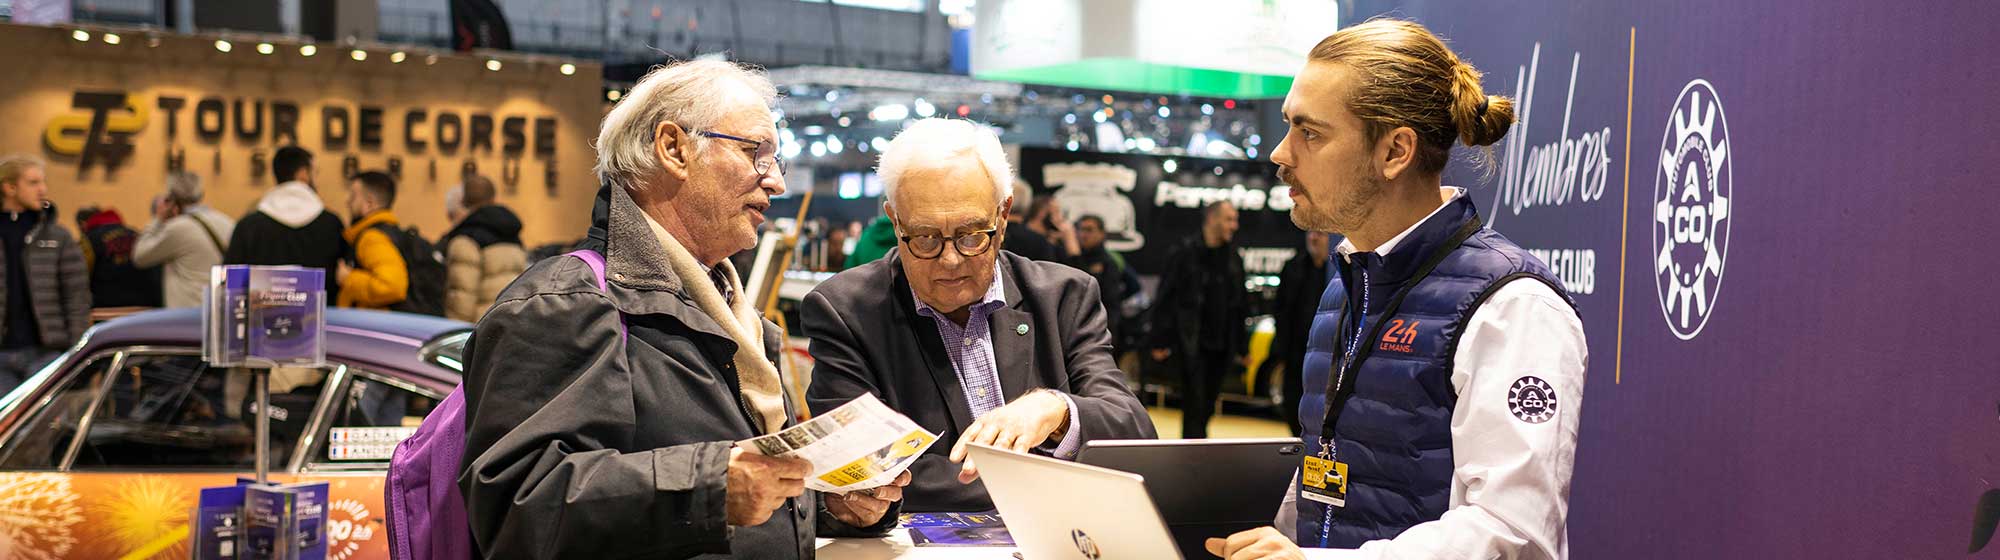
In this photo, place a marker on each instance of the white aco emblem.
(1692, 204)
(1532, 400)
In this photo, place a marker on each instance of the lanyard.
(1340, 387)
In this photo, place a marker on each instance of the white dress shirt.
(1510, 476)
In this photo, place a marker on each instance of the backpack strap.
(595, 261)
(205, 228)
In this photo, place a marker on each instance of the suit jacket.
(868, 338)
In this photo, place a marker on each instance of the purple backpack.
(426, 511)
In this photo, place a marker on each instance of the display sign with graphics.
(1774, 218)
(1152, 204)
(114, 119)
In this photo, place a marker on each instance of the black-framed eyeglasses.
(969, 244)
(763, 159)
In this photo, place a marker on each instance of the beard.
(1346, 212)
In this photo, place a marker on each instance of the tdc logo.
(103, 137)
(1692, 209)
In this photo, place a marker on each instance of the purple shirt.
(971, 351)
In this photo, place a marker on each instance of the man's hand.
(864, 508)
(1019, 426)
(163, 210)
(1064, 236)
(340, 274)
(759, 485)
(1261, 543)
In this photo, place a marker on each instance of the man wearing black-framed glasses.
(978, 344)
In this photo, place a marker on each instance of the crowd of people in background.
(53, 279)
(374, 262)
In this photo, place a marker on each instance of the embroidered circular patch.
(1532, 400)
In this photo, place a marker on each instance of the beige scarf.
(763, 391)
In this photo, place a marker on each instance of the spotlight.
(266, 48)
(222, 45)
(80, 35)
(493, 64)
(358, 55)
(613, 95)
(397, 57)
(430, 59)
(112, 38)
(568, 69)
(308, 50)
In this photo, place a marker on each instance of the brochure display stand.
(259, 318)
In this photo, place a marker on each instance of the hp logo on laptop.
(1084, 544)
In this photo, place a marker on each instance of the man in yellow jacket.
(374, 276)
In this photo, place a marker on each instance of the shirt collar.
(1347, 246)
(995, 298)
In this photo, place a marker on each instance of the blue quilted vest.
(1394, 430)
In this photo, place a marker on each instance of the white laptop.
(1058, 510)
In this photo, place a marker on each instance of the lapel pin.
(1021, 329)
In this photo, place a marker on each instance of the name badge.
(1325, 481)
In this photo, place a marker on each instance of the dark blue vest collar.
(1410, 253)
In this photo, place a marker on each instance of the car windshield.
(447, 350)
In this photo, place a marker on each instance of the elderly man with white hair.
(973, 342)
(186, 237)
(605, 389)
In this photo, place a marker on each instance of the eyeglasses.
(763, 159)
(969, 244)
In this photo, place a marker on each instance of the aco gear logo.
(1693, 207)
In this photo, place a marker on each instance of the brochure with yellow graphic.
(860, 445)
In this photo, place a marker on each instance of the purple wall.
(1840, 401)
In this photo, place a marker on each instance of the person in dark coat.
(1022, 238)
(1300, 284)
(1115, 281)
(977, 344)
(115, 279)
(47, 305)
(602, 420)
(291, 225)
(1198, 320)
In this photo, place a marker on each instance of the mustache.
(1286, 175)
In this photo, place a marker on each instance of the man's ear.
(671, 146)
(1397, 152)
(1007, 208)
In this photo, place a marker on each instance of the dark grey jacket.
(868, 338)
(588, 439)
(58, 283)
